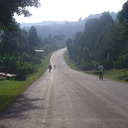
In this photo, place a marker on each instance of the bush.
(121, 62)
(26, 68)
(108, 64)
(86, 66)
(20, 77)
(95, 64)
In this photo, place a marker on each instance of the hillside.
(66, 28)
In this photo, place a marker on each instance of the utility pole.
(108, 57)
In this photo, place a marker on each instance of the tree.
(109, 42)
(33, 37)
(9, 41)
(123, 25)
(123, 14)
(105, 19)
(85, 54)
(100, 37)
(9, 7)
(91, 31)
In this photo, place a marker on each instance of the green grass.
(119, 75)
(9, 90)
(70, 62)
(114, 74)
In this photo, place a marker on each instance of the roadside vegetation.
(10, 89)
(69, 61)
(103, 41)
(120, 75)
(22, 53)
(19, 56)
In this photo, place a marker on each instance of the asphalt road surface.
(66, 98)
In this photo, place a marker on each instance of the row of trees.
(68, 29)
(52, 43)
(102, 41)
(17, 46)
(17, 53)
(17, 49)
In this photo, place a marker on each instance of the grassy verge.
(9, 90)
(70, 62)
(114, 74)
(119, 75)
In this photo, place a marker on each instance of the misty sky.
(69, 10)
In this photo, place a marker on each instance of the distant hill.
(113, 14)
(66, 28)
(44, 23)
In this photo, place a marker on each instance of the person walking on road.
(50, 67)
(101, 69)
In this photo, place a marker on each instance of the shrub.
(95, 64)
(108, 65)
(20, 77)
(121, 62)
(86, 66)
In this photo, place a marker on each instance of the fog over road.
(66, 98)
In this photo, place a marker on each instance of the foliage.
(33, 37)
(103, 40)
(52, 43)
(117, 74)
(123, 14)
(14, 6)
(69, 61)
(17, 50)
(121, 62)
(8, 64)
(9, 89)
(17, 56)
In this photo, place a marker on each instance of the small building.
(39, 51)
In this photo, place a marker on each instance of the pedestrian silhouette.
(101, 69)
(50, 67)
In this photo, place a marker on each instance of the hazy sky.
(69, 10)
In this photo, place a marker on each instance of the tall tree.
(105, 19)
(123, 14)
(97, 40)
(33, 37)
(123, 24)
(109, 43)
(91, 31)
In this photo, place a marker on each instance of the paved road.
(67, 98)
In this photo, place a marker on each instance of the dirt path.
(66, 98)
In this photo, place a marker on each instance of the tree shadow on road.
(2, 126)
(22, 105)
